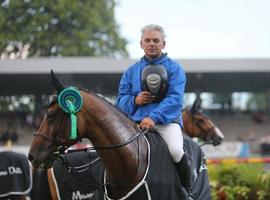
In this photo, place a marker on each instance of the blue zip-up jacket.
(164, 112)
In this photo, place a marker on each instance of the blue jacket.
(169, 109)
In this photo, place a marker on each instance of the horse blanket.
(85, 178)
(15, 174)
(82, 180)
(200, 188)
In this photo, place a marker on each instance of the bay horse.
(130, 156)
(78, 174)
(197, 124)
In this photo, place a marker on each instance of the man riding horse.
(151, 93)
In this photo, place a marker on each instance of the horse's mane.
(54, 98)
(119, 112)
(101, 98)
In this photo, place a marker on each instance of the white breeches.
(172, 134)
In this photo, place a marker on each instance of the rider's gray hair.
(153, 27)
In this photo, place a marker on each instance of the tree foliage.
(60, 27)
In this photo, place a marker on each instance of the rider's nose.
(151, 42)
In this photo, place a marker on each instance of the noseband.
(60, 145)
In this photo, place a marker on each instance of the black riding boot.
(184, 171)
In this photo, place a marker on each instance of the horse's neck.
(112, 127)
(109, 123)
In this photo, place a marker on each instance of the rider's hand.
(144, 97)
(147, 123)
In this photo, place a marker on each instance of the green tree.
(60, 27)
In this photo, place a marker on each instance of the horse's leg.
(52, 184)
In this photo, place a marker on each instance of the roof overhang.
(102, 75)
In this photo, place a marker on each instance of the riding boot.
(184, 171)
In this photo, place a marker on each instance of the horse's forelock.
(52, 101)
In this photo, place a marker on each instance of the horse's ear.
(56, 83)
(196, 105)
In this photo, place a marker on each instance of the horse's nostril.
(30, 157)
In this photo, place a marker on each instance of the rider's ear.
(141, 44)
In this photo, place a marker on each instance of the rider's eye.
(156, 41)
(147, 40)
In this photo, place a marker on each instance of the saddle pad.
(162, 178)
(201, 189)
(15, 174)
(75, 185)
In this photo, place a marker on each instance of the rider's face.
(152, 43)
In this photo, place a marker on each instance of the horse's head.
(62, 126)
(196, 124)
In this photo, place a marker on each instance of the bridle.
(61, 148)
(78, 169)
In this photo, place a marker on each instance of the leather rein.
(62, 148)
(78, 169)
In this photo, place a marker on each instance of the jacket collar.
(155, 61)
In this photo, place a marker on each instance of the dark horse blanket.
(162, 181)
(15, 174)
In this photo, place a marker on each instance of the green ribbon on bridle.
(73, 117)
(70, 100)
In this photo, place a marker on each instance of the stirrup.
(190, 195)
(190, 198)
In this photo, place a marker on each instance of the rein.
(61, 151)
(76, 169)
(82, 168)
(131, 139)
